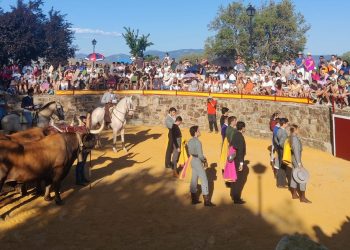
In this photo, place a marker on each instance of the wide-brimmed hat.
(301, 175)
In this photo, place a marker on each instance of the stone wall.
(314, 121)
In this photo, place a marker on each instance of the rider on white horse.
(108, 100)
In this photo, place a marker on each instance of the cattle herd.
(41, 155)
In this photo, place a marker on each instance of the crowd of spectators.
(324, 82)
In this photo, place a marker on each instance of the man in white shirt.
(108, 99)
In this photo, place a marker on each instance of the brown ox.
(29, 135)
(48, 159)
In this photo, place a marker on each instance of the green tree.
(346, 56)
(192, 57)
(150, 58)
(136, 44)
(279, 32)
(22, 32)
(59, 38)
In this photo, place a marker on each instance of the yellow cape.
(287, 153)
(223, 156)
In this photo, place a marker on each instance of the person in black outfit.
(238, 143)
(224, 115)
(169, 121)
(28, 106)
(177, 138)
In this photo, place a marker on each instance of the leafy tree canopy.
(279, 32)
(26, 34)
(136, 43)
(192, 57)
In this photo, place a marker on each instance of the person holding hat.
(300, 175)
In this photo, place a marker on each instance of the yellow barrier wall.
(186, 93)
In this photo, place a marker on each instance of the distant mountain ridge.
(161, 54)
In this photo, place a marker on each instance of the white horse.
(12, 122)
(118, 117)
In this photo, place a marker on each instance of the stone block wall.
(314, 121)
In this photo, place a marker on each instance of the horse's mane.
(124, 99)
(46, 105)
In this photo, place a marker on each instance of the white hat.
(301, 175)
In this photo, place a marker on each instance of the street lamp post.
(251, 13)
(94, 42)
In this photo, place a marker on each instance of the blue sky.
(183, 24)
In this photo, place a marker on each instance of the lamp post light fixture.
(251, 13)
(94, 42)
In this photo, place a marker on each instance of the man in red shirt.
(211, 109)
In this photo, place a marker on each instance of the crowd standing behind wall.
(327, 83)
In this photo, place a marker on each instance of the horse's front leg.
(122, 132)
(115, 133)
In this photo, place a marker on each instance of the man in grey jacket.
(280, 140)
(195, 150)
(297, 149)
(169, 121)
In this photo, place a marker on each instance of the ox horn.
(97, 131)
(52, 124)
(59, 130)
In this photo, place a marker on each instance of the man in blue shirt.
(299, 63)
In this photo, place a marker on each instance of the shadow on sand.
(131, 140)
(143, 211)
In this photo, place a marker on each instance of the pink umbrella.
(95, 57)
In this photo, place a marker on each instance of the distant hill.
(174, 53)
(161, 54)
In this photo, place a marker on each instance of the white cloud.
(95, 32)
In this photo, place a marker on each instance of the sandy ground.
(134, 203)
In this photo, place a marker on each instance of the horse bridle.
(128, 109)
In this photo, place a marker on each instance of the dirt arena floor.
(134, 203)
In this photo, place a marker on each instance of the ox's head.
(89, 141)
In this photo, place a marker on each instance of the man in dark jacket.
(28, 106)
(224, 116)
(177, 139)
(169, 121)
(238, 143)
